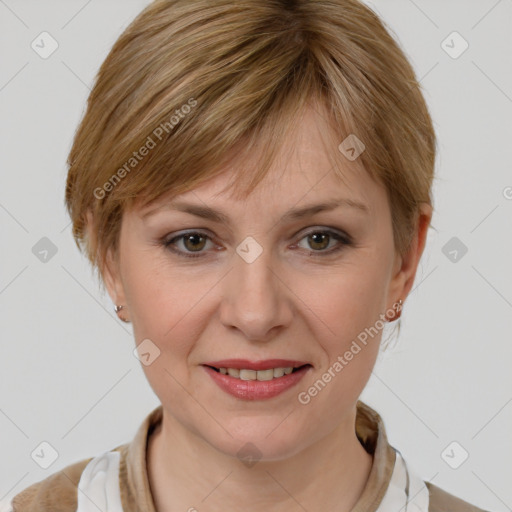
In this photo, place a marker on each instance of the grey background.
(68, 374)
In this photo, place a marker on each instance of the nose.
(256, 300)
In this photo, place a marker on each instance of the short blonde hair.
(191, 84)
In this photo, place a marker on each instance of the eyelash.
(345, 239)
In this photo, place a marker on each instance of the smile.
(249, 384)
(261, 375)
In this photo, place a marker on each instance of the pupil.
(322, 237)
(190, 238)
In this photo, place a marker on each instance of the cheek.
(345, 302)
(170, 307)
(166, 308)
(162, 297)
(345, 310)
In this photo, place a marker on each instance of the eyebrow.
(205, 212)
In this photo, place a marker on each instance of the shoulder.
(442, 501)
(56, 493)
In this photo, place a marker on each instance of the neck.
(186, 472)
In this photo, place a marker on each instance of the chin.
(256, 440)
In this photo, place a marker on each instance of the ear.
(112, 278)
(406, 266)
(109, 270)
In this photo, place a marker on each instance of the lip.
(255, 389)
(265, 364)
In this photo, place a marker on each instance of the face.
(264, 284)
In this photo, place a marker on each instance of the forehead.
(302, 173)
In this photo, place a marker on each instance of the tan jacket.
(58, 492)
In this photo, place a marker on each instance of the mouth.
(256, 380)
(260, 375)
(266, 369)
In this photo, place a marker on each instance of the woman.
(252, 181)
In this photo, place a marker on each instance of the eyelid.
(170, 240)
(343, 239)
(325, 229)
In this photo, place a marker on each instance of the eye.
(193, 242)
(319, 240)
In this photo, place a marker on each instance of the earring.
(117, 309)
(398, 310)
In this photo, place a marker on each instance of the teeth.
(265, 374)
(278, 372)
(248, 374)
(234, 372)
(271, 373)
